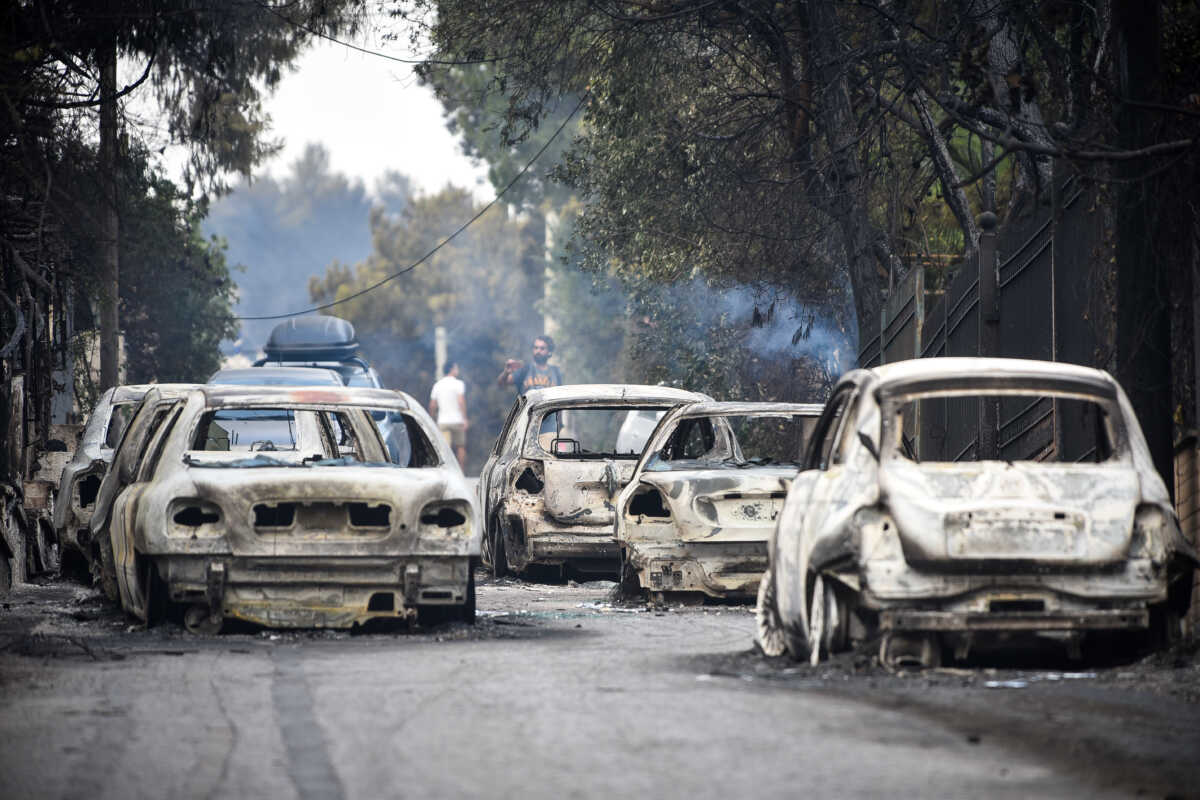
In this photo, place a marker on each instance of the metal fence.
(1034, 304)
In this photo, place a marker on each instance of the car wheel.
(628, 583)
(769, 634)
(105, 569)
(467, 614)
(829, 622)
(499, 556)
(485, 547)
(198, 619)
(430, 616)
(158, 604)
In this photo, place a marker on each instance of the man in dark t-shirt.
(538, 374)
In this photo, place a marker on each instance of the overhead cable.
(440, 244)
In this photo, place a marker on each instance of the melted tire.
(628, 584)
(499, 556)
(105, 569)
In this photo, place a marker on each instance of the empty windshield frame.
(1048, 422)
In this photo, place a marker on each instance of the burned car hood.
(1021, 511)
(723, 504)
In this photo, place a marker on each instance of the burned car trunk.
(901, 525)
(281, 507)
(706, 495)
(550, 487)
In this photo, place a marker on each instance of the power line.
(368, 51)
(440, 244)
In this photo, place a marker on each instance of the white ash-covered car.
(79, 484)
(547, 490)
(280, 506)
(951, 503)
(705, 495)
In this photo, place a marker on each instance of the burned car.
(952, 503)
(547, 490)
(280, 506)
(705, 495)
(79, 485)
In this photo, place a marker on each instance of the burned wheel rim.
(817, 622)
(768, 629)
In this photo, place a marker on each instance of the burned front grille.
(322, 517)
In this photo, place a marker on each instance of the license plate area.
(1055, 535)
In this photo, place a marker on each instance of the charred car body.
(705, 496)
(79, 485)
(549, 487)
(903, 525)
(280, 506)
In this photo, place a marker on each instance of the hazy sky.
(372, 115)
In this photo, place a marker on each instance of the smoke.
(777, 324)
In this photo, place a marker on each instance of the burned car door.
(808, 507)
(132, 578)
(126, 462)
(495, 470)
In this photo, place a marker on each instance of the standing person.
(536, 375)
(448, 405)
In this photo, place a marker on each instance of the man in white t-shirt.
(448, 405)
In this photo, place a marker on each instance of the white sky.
(372, 115)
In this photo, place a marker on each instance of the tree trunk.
(110, 352)
(843, 184)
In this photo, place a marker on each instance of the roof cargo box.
(317, 338)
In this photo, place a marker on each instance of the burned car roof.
(709, 408)
(927, 374)
(611, 393)
(318, 396)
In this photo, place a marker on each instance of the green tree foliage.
(474, 286)
(801, 144)
(205, 67)
(635, 317)
(176, 293)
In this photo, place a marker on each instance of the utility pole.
(110, 348)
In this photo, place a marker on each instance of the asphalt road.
(557, 693)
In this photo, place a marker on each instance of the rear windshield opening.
(246, 430)
(619, 432)
(736, 441)
(1030, 427)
